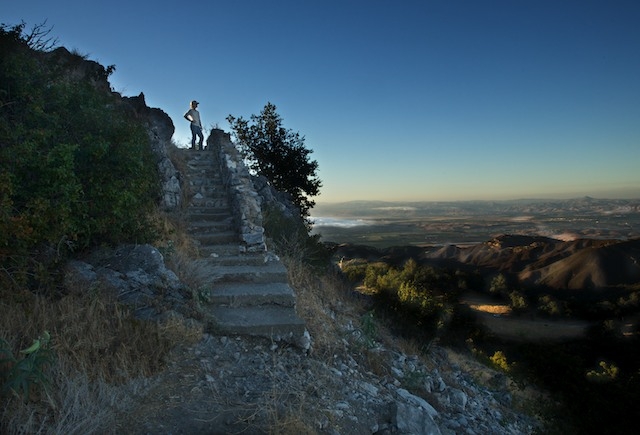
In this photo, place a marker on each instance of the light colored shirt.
(194, 116)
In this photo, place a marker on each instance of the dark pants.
(196, 131)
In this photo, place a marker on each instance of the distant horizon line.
(540, 198)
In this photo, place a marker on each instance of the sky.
(403, 100)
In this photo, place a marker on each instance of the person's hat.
(194, 102)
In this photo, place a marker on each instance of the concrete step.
(196, 162)
(267, 273)
(224, 250)
(221, 238)
(252, 294)
(265, 321)
(193, 216)
(202, 181)
(195, 171)
(202, 227)
(212, 254)
(198, 201)
(198, 166)
(210, 192)
(199, 155)
(209, 183)
(204, 176)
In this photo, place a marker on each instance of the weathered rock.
(160, 128)
(135, 274)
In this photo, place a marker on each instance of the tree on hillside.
(278, 154)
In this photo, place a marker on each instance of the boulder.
(135, 274)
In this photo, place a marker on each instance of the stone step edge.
(270, 272)
(277, 323)
(252, 294)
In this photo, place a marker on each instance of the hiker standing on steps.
(193, 116)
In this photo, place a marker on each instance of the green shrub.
(518, 301)
(76, 169)
(369, 329)
(605, 372)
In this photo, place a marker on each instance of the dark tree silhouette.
(278, 154)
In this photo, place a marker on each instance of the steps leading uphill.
(249, 291)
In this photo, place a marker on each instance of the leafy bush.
(606, 372)
(420, 297)
(518, 302)
(76, 169)
(499, 285)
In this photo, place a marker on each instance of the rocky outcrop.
(135, 275)
(160, 128)
(78, 68)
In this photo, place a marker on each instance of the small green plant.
(23, 376)
(499, 285)
(414, 380)
(369, 329)
(202, 295)
(168, 249)
(499, 360)
(606, 372)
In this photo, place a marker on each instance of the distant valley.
(385, 224)
(583, 243)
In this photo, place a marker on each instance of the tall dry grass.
(100, 350)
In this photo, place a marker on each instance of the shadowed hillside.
(532, 260)
(596, 265)
(578, 264)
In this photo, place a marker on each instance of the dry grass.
(76, 405)
(99, 345)
(173, 236)
(325, 303)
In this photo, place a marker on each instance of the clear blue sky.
(399, 100)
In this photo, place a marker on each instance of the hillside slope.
(578, 264)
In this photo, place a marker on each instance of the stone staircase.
(249, 291)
